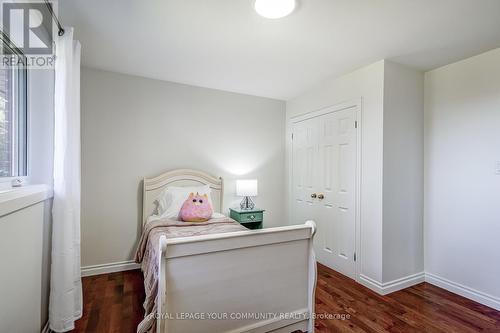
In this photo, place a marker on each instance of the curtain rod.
(60, 32)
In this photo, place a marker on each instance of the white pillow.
(171, 199)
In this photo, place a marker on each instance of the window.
(13, 121)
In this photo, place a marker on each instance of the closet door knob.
(313, 195)
(321, 197)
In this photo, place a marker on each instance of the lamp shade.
(246, 187)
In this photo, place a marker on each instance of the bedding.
(148, 251)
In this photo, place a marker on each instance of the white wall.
(462, 191)
(134, 127)
(403, 252)
(40, 160)
(366, 83)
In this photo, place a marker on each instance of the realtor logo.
(27, 26)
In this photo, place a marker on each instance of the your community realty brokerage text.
(248, 316)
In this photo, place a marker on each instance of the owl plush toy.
(196, 208)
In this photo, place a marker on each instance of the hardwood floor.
(113, 303)
(421, 308)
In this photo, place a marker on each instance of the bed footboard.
(248, 281)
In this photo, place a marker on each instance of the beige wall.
(134, 127)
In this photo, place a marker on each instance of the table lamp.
(246, 188)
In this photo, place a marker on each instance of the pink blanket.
(148, 251)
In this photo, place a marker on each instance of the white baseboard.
(110, 268)
(464, 291)
(408, 281)
(392, 286)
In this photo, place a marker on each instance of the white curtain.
(66, 286)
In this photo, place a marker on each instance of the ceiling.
(224, 44)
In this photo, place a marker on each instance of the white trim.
(359, 160)
(110, 268)
(467, 292)
(6, 182)
(326, 110)
(392, 286)
(17, 198)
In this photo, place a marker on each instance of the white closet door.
(336, 190)
(304, 172)
(323, 185)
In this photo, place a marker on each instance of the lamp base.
(247, 204)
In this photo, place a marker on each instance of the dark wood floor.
(113, 303)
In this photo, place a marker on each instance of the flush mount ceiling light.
(274, 9)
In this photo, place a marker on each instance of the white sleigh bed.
(244, 281)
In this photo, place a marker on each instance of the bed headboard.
(152, 187)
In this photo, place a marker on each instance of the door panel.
(344, 198)
(326, 210)
(304, 155)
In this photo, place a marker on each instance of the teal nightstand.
(252, 219)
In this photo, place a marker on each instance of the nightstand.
(251, 219)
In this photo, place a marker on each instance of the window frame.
(20, 149)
